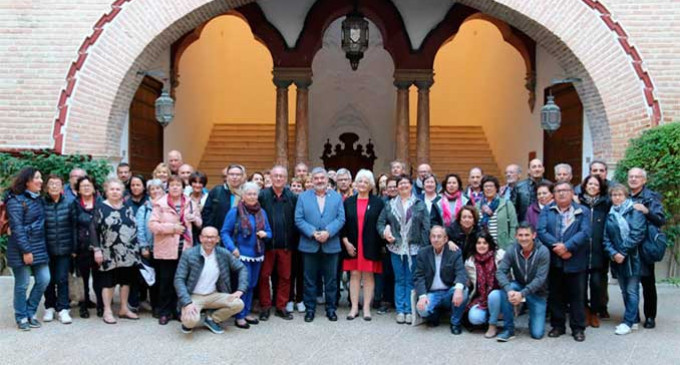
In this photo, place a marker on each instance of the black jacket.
(83, 219)
(525, 195)
(452, 269)
(598, 217)
(372, 242)
(291, 238)
(466, 242)
(60, 226)
(656, 216)
(217, 205)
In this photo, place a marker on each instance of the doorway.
(146, 134)
(566, 144)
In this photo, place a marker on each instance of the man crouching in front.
(439, 280)
(203, 282)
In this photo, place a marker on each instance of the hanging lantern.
(354, 38)
(165, 109)
(551, 116)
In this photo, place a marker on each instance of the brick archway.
(99, 93)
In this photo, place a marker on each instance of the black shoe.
(186, 330)
(351, 317)
(456, 329)
(84, 313)
(155, 314)
(383, 309)
(282, 313)
(252, 321)
(556, 332)
(264, 314)
(649, 323)
(163, 320)
(245, 326)
(579, 336)
(433, 322)
(100, 312)
(604, 314)
(332, 316)
(91, 304)
(309, 316)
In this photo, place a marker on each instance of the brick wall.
(42, 42)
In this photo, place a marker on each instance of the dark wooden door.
(566, 144)
(146, 134)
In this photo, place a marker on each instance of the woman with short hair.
(26, 248)
(245, 229)
(145, 240)
(405, 224)
(296, 185)
(452, 198)
(544, 196)
(362, 243)
(162, 172)
(431, 200)
(625, 232)
(60, 227)
(114, 241)
(497, 215)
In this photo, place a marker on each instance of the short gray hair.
(565, 166)
(250, 186)
(366, 174)
(619, 187)
(319, 170)
(281, 167)
(642, 171)
(154, 182)
(400, 163)
(343, 171)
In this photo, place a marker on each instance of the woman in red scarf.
(485, 296)
(452, 198)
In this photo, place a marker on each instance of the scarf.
(182, 208)
(590, 200)
(236, 193)
(244, 212)
(447, 214)
(618, 212)
(485, 267)
(484, 221)
(475, 197)
(404, 218)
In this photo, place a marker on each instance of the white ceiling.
(419, 16)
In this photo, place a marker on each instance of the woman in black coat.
(362, 243)
(60, 229)
(463, 231)
(594, 197)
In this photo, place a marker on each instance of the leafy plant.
(657, 151)
(48, 163)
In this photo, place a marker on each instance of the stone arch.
(99, 93)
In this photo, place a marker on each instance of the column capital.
(423, 85)
(301, 76)
(422, 78)
(281, 83)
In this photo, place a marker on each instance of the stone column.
(423, 129)
(302, 120)
(281, 142)
(402, 137)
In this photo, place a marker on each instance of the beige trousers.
(219, 301)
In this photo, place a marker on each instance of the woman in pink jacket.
(170, 223)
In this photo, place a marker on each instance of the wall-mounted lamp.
(551, 115)
(164, 105)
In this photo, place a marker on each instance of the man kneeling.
(203, 281)
(439, 281)
(528, 261)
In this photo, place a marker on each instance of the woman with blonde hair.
(162, 172)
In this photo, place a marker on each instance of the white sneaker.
(622, 329)
(320, 300)
(400, 318)
(635, 327)
(289, 307)
(49, 315)
(64, 317)
(301, 307)
(408, 319)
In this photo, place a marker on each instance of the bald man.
(174, 161)
(526, 189)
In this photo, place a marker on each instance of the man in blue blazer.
(319, 215)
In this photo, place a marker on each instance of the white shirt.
(321, 201)
(437, 283)
(211, 272)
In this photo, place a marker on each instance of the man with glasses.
(343, 179)
(279, 204)
(203, 281)
(222, 197)
(649, 203)
(564, 227)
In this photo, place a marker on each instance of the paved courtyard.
(381, 341)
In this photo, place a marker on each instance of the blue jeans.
(403, 282)
(56, 294)
(253, 276)
(478, 316)
(26, 308)
(537, 307)
(442, 300)
(630, 289)
(327, 264)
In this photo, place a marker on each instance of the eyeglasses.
(563, 191)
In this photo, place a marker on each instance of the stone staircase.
(452, 149)
(456, 149)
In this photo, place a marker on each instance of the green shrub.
(657, 151)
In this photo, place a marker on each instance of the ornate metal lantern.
(354, 37)
(551, 116)
(165, 109)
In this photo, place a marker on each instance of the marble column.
(302, 120)
(281, 142)
(402, 137)
(423, 120)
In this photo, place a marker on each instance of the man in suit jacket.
(319, 215)
(439, 281)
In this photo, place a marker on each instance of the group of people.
(481, 253)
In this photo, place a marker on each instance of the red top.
(359, 262)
